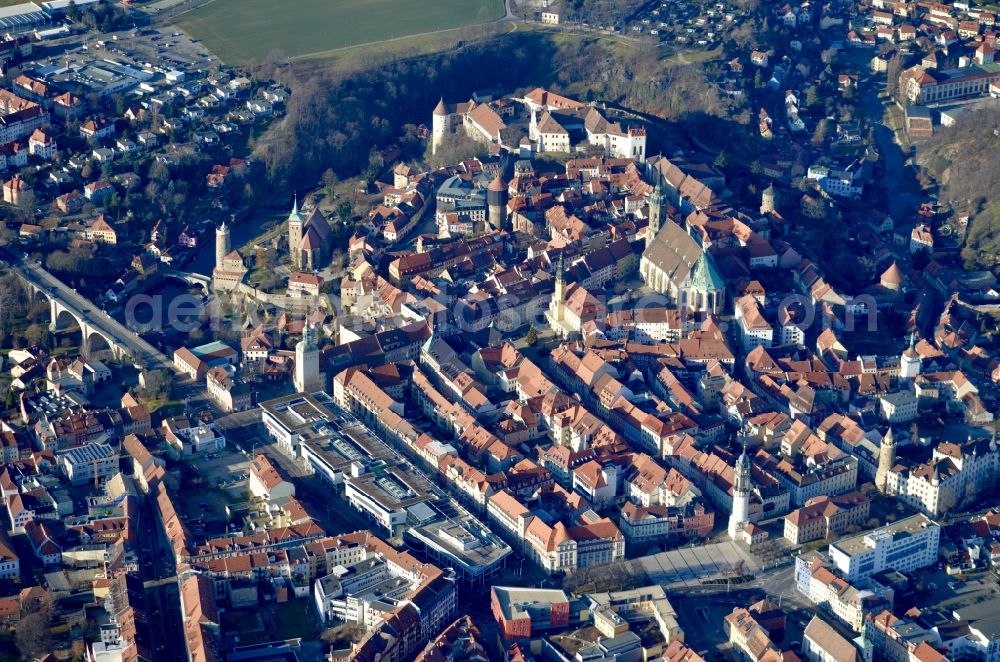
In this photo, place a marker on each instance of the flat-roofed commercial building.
(523, 612)
(22, 17)
(905, 545)
(293, 418)
(392, 498)
(465, 545)
(89, 462)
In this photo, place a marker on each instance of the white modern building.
(196, 439)
(363, 592)
(391, 498)
(291, 419)
(904, 546)
(89, 462)
(840, 182)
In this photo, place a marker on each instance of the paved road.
(160, 582)
(141, 352)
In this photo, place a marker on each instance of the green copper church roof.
(295, 215)
(704, 276)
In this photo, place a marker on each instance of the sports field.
(243, 30)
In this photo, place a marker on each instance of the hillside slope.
(963, 161)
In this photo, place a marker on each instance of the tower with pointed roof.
(892, 278)
(439, 125)
(558, 305)
(496, 201)
(657, 205)
(767, 200)
(909, 362)
(229, 268)
(742, 487)
(886, 461)
(307, 375)
(295, 222)
(222, 245)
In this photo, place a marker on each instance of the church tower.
(559, 295)
(909, 363)
(742, 486)
(657, 204)
(307, 378)
(295, 222)
(886, 460)
(222, 245)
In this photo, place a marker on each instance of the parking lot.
(243, 431)
(224, 482)
(227, 469)
(163, 48)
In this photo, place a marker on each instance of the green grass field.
(244, 30)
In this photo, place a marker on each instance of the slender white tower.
(222, 245)
(909, 363)
(306, 378)
(742, 487)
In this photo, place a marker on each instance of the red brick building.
(522, 611)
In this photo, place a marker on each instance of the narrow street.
(162, 591)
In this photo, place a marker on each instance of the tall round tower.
(222, 244)
(496, 200)
(886, 460)
(767, 200)
(439, 125)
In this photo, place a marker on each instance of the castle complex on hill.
(540, 121)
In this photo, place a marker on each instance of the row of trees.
(103, 16)
(23, 321)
